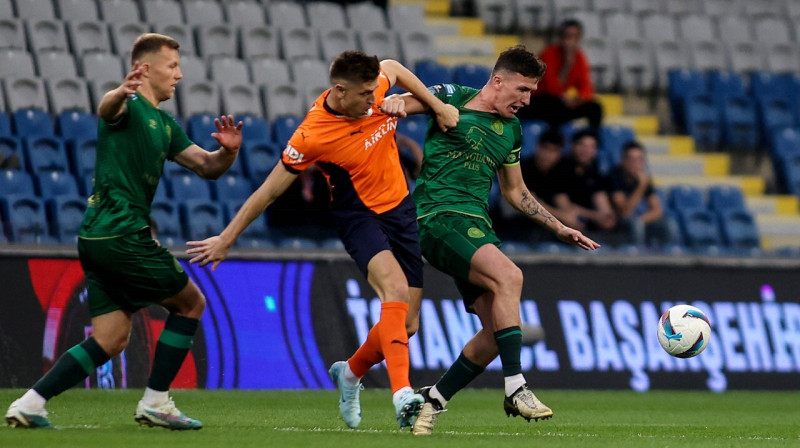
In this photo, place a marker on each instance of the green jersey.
(459, 166)
(130, 158)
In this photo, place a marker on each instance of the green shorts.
(128, 272)
(449, 240)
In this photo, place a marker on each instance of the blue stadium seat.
(66, 215)
(233, 187)
(775, 114)
(255, 128)
(26, 219)
(189, 186)
(256, 234)
(56, 183)
(87, 184)
(686, 197)
(172, 168)
(724, 84)
(75, 125)
(332, 243)
(764, 84)
(739, 121)
(83, 153)
(699, 228)
(702, 119)
(5, 124)
(431, 73)
(297, 243)
(786, 142)
(415, 127)
(199, 129)
(32, 122)
(259, 158)
(722, 198)
(550, 248)
(46, 154)
(516, 247)
(531, 130)
(201, 219)
(682, 83)
(612, 139)
(739, 230)
(16, 182)
(471, 75)
(162, 191)
(284, 128)
(789, 174)
(12, 147)
(166, 218)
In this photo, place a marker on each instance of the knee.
(114, 344)
(512, 279)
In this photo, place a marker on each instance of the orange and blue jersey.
(358, 156)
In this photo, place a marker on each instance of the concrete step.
(642, 125)
(690, 165)
(778, 230)
(483, 46)
(432, 7)
(677, 145)
(750, 185)
(776, 241)
(454, 26)
(773, 205)
(612, 104)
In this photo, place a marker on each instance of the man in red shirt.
(565, 91)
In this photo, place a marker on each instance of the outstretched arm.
(215, 249)
(423, 100)
(517, 194)
(211, 165)
(113, 103)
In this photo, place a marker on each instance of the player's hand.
(576, 238)
(393, 106)
(210, 250)
(447, 117)
(132, 81)
(228, 135)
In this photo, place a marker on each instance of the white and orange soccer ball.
(684, 331)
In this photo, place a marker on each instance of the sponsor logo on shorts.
(475, 232)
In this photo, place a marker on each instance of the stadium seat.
(326, 16)
(724, 84)
(564, 9)
(201, 219)
(5, 120)
(31, 10)
(203, 12)
(702, 120)
(716, 8)
(257, 128)
(270, 70)
(686, 197)
(241, 99)
(32, 122)
(16, 182)
(166, 218)
(613, 138)
(766, 84)
(77, 10)
(162, 191)
(73, 125)
(781, 58)
(199, 97)
(416, 46)
(123, 34)
(699, 228)
(299, 43)
(635, 65)
(228, 69)
(6, 8)
(190, 186)
(119, 10)
(603, 60)
(683, 83)
(740, 124)
(297, 243)
(98, 88)
(471, 75)
(233, 187)
(678, 7)
(46, 153)
(497, 15)
(46, 34)
(696, 28)
(669, 55)
(775, 114)
(533, 15)
(310, 72)
(162, 11)
(408, 16)
(68, 94)
(623, 26)
(734, 29)
(707, 55)
(66, 215)
(284, 127)
(256, 234)
(183, 34)
(83, 153)
(739, 230)
(531, 130)
(286, 14)
(432, 72)
(24, 94)
(771, 30)
(259, 41)
(659, 27)
(56, 183)
(259, 157)
(11, 146)
(335, 41)
(26, 219)
(216, 40)
(745, 57)
(415, 127)
(592, 23)
(55, 64)
(244, 13)
(366, 16)
(12, 34)
(102, 66)
(283, 100)
(89, 36)
(723, 198)
(16, 63)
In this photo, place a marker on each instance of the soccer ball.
(684, 331)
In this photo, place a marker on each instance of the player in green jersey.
(456, 232)
(125, 268)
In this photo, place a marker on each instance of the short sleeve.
(298, 154)
(443, 91)
(178, 140)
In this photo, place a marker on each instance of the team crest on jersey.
(153, 124)
(497, 127)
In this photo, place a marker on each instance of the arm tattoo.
(531, 207)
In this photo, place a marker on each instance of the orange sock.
(368, 354)
(394, 343)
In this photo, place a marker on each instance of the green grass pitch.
(310, 419)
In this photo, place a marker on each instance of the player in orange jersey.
(349, 134)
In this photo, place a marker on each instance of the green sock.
(73, 366)
(509, 345)
(173, 345)
(461, 373)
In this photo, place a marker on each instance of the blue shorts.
(365, 233)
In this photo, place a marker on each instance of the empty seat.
(244, 13)
(16, 63)
(241, 99)
(32, 122)
(734, 29)
(683, 83)
(702, 120)
(531, 130)
(199, 128)
(119, 11)
(284, 128)
(73, 125)
(56, 183)
(84, 154)
(201, 219)
(228, 69)
(740, 125)
(325, 16)
(763, 84)
(259, 157)
(233, 187)
(55, 64)
(27, 9)
(745, 57)
(100, 87)
(257, 128)
(686, 197)
(254, 235)
(622, 26)
(193, 68)
(678, 7)
(431, 72)
(564, 9)
(669, 55)
(199, 97)
(190, 186)
(716, 8)
(102, 66)
(164, 215)
(88, 36)
(471, 75)
(16, 182)
(66, 213)
(761, 8)
(497, 15)
(162, 11)
(700, 228)
(644, 7)
(635, 66)
(46, 34)
(408, 16)
(725, 198)
(124, 34)
(11, 148)
(282, 100)
(203, 12)
(613, 138)
(12, 34)
(415, 127)
(68, 94)
(532, 15)
(707, 55)
(25, 93)
(299, 43)
(270, 71)
(46, 154)
(602, 62)
(416, 46)
(782, 58)
(724, 84)
(696, 27)
(336, 41)
(659, 27)
(772, 30)
(181, 33)
(775, 114)
(591, 21)
(739, 229)
(287, 15)
(77, 9)
(260, 41)
(310, 72)
(26, 219)
(215, 40)
(6, 8)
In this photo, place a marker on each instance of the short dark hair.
(553, 137)
(151, 43)
(584, 133)
(568, 23)
(518, 59)
(631, 145)
(355, 66)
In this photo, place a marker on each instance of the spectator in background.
(580, 190)
(637, 206)
(565, 91)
